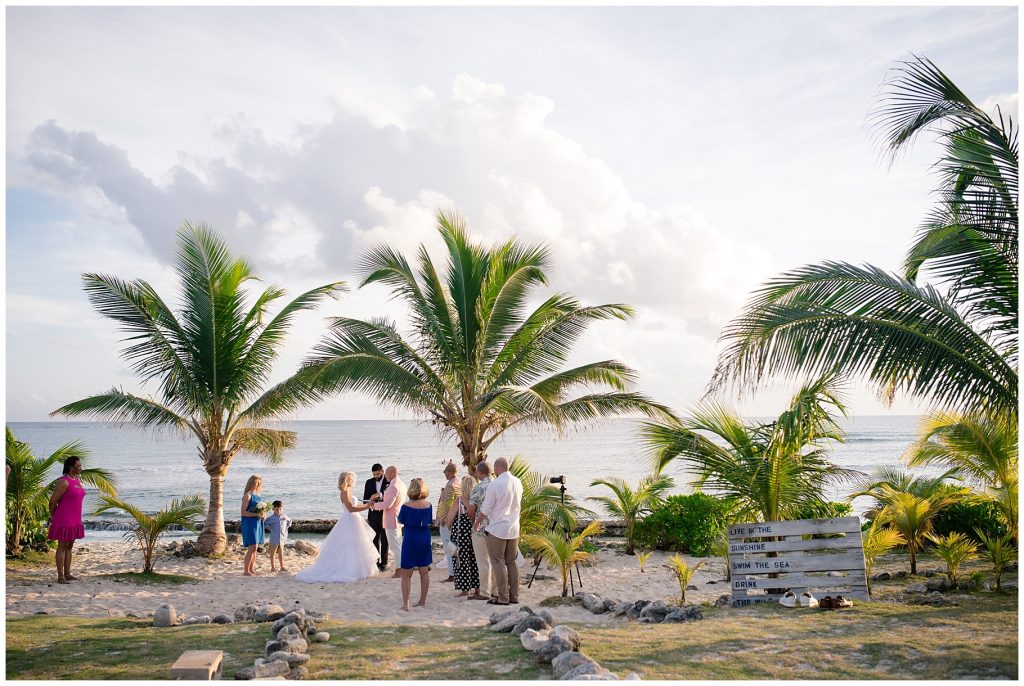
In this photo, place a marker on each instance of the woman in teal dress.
(251, 523)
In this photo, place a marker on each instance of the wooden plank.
(798, 563)
(756, 600)
(846, 542)
(800, 581)
(838, 525)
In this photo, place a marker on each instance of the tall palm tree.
(957, 348)
(211, 359)
(628, 503)
(981, 449)
(478, 362)
(149, 527)
(770, 470)
(31, 482)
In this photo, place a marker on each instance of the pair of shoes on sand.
(805, 599)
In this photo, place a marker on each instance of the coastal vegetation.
(954, 549)
(211, 360)
(629, 504)
(148, 528)
(690, 523)
(562, 550)
(1000, 551)
(683, 573)
(30, 483)
(479, 361)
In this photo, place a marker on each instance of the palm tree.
(956, 349)
(1000, 551)
(478, 362)
(31, 482)
(683, 573)
(877, 541)
(148, 528)
(980, 449)
(954, 549)
(629, 504)
(562, 551)
(770, 470)
(212, 359)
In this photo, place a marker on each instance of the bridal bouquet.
(263, 508)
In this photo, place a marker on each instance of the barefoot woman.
(66, 516)
(252, 523)
(416, 516)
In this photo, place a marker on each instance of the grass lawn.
(976, 639)
(150, 578)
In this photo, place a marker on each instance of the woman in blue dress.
(251, 523)
(416, 516)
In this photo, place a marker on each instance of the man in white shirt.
(500, 508)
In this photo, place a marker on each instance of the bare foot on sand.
(405, 607)
(422, 603)
(71, 578)
(63, 581)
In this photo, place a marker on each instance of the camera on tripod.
(557, 480)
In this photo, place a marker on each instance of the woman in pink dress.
(66, 516)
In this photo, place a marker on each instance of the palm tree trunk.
(14, 545)
(212, 539)
(913, 557)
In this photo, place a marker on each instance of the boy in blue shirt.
(278, 524)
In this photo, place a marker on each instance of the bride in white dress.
(347, 554)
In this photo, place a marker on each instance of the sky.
(672, 158)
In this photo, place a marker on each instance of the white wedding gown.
(347, 554)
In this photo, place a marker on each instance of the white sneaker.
(807, 600)
(788, 600)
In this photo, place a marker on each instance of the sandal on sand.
(826, 603)
(807, 600)
(494, 601)
(477, 596)
(788, 600)
(839, 602)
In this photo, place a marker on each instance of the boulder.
(306, 548)
(292, 659)
(299, 673)
(881, 576)
(632, 676)
(590, 601)
(546, 616)
(638, 607)
(533, 639)
(187, 550)
(296, 617)
(202, 619)
(621, 609)
(246, 613)
(322, 637)
(271, 668)
(508, 623)
(648, 620)
(529, 622)
(288, 632)
(527, 609)
(938, 584)
(275, 646)
(691, 587)
(902, 574)
(568, 661)
(552, 648)
(610, 604)
(571, 636)
(223, 619)
(165, 616)
(583, 669)
(501, 615)
(684, 614)
(298, 645)
(920, 587)
(603, 676)
(657, 611)
(268, 613)
(245, 674)
(724, 600)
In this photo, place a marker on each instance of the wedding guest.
(466, 575)
(479, 538)
(278, 523)
(416, 516)
(375, 486)
(251, 523)
(66, 516)
(444, 504)
(501, 506)
(395, 496)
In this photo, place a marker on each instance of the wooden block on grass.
(198, 665)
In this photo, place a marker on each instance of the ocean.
(152, 468)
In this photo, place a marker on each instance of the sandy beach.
(223, 589)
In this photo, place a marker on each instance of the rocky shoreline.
(303, 526)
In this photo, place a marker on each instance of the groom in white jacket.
(394, 497)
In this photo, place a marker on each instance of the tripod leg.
(534, 575)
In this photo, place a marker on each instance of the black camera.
(557, 480)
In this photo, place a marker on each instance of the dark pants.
(380, 539)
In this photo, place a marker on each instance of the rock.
(306, 548)
(527, 609)
(299, 673)
(246, 613)
(568, 661)
(582, 669)
(590, 601)
(552, 648)
(288, 632)
(610, 604)
(268, 613)
(203, 619)
(298, 645)
(187, 550)
(724, 600)
(546, 616)
(500, 615)
(638, 607)
(632, 676)
(684, 614)
(296, 618)
(274, 668)
(533, 639)
(621, 609)
(598, 608)
(529, 622)
(881, 576)
(938, 584)
(165, 616)
(245, 674)
(657, 611)
(691, 587)
(570, 635)
(603, 676)
(181, 619)
(507, 624)
(322, 637)
(920, 587)
(234, 539)
(223, 619)
(709, 583)
(275, 646)
(648, 620)
(291, 658)
(902, 574)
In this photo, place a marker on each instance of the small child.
(278, 524)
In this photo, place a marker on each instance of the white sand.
(223, 589)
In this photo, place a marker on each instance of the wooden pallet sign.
(767, 558)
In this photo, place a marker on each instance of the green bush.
(683, 523)
(965, 517)
(823, 509)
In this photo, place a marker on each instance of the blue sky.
(673, 157)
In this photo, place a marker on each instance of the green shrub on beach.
(684, 523)
(970, 517)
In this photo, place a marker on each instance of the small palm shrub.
(642, 559)
(562, 551)
(629, 503)
(954, 549)
(878, 540)
(684, 573)
(148, 528)
(684, 524)
(1000, 551)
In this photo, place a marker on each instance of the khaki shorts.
(272, 548)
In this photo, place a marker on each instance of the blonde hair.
(466, 486)
(254, 484)
(345, 476)
(418, 489)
